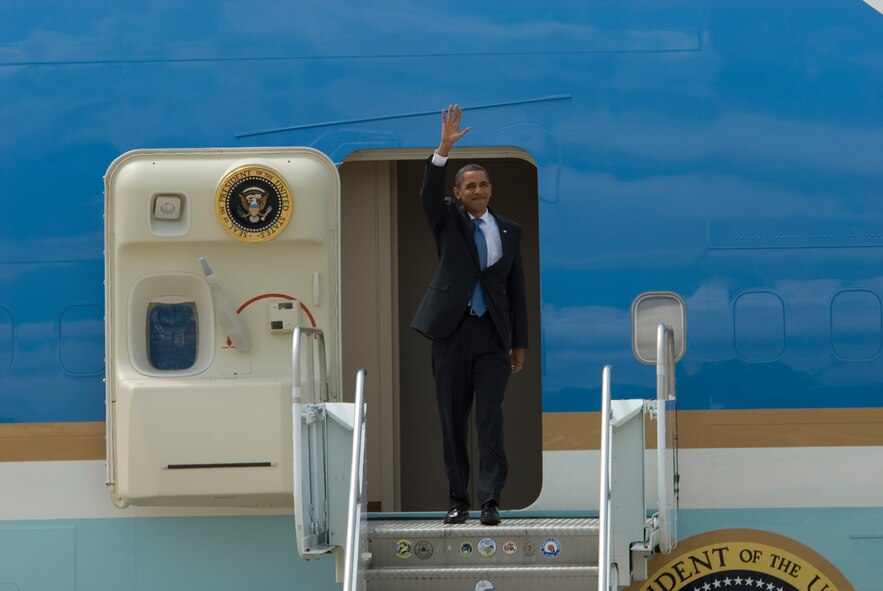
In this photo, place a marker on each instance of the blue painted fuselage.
(726, 151)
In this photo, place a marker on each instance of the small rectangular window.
(172, 335)
(651, 309)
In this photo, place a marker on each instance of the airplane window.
(172, 331)
(648, 311)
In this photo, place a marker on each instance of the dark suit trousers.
(471, 363)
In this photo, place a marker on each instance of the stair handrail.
(665, 362)
(297, 402)
(662, 533)
(357, 490)
(604, 566)
(665, 393)
(297, 337)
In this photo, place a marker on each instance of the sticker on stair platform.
(484, 585)
(487, 547)
(466, 549)
(510, 547)
(529, 548)
(403, 549)
(551, 547)
(423, 549)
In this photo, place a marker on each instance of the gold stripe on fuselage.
(704, 429)
(35, 442)
(567, 431)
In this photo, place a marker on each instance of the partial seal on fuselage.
(253, 203)
(741, 560)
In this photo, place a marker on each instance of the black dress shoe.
(490, 515)
(457, 515)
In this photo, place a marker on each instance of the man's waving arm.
(450, 132)
(432, 193)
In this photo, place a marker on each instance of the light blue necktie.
(478, 305)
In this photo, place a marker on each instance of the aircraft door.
(388, 258)
(213, 259)
(424, 485)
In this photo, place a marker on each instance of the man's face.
(474, 192)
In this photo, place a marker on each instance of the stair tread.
(472, 571)
(509, 527)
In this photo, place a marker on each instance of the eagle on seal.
(254, 202)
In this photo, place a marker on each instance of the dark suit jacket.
(447, 298)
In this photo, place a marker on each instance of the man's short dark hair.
(458, 178)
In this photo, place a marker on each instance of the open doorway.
(387, 259)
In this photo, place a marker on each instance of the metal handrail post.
(604, 498)
(323, 368)
(672, 391)
(297, 337)
(661, 362)
(296, 394)
(296, 428)
(664, 392)
(297, 401)
(311, 371)
(357, 490)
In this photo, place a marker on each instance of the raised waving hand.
(451, 132)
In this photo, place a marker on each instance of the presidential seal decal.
(253, 204)
(741, 560)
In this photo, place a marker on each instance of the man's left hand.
(516, 359)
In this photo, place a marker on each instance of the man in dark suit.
(476, 315)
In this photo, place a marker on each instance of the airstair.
(523, 553)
